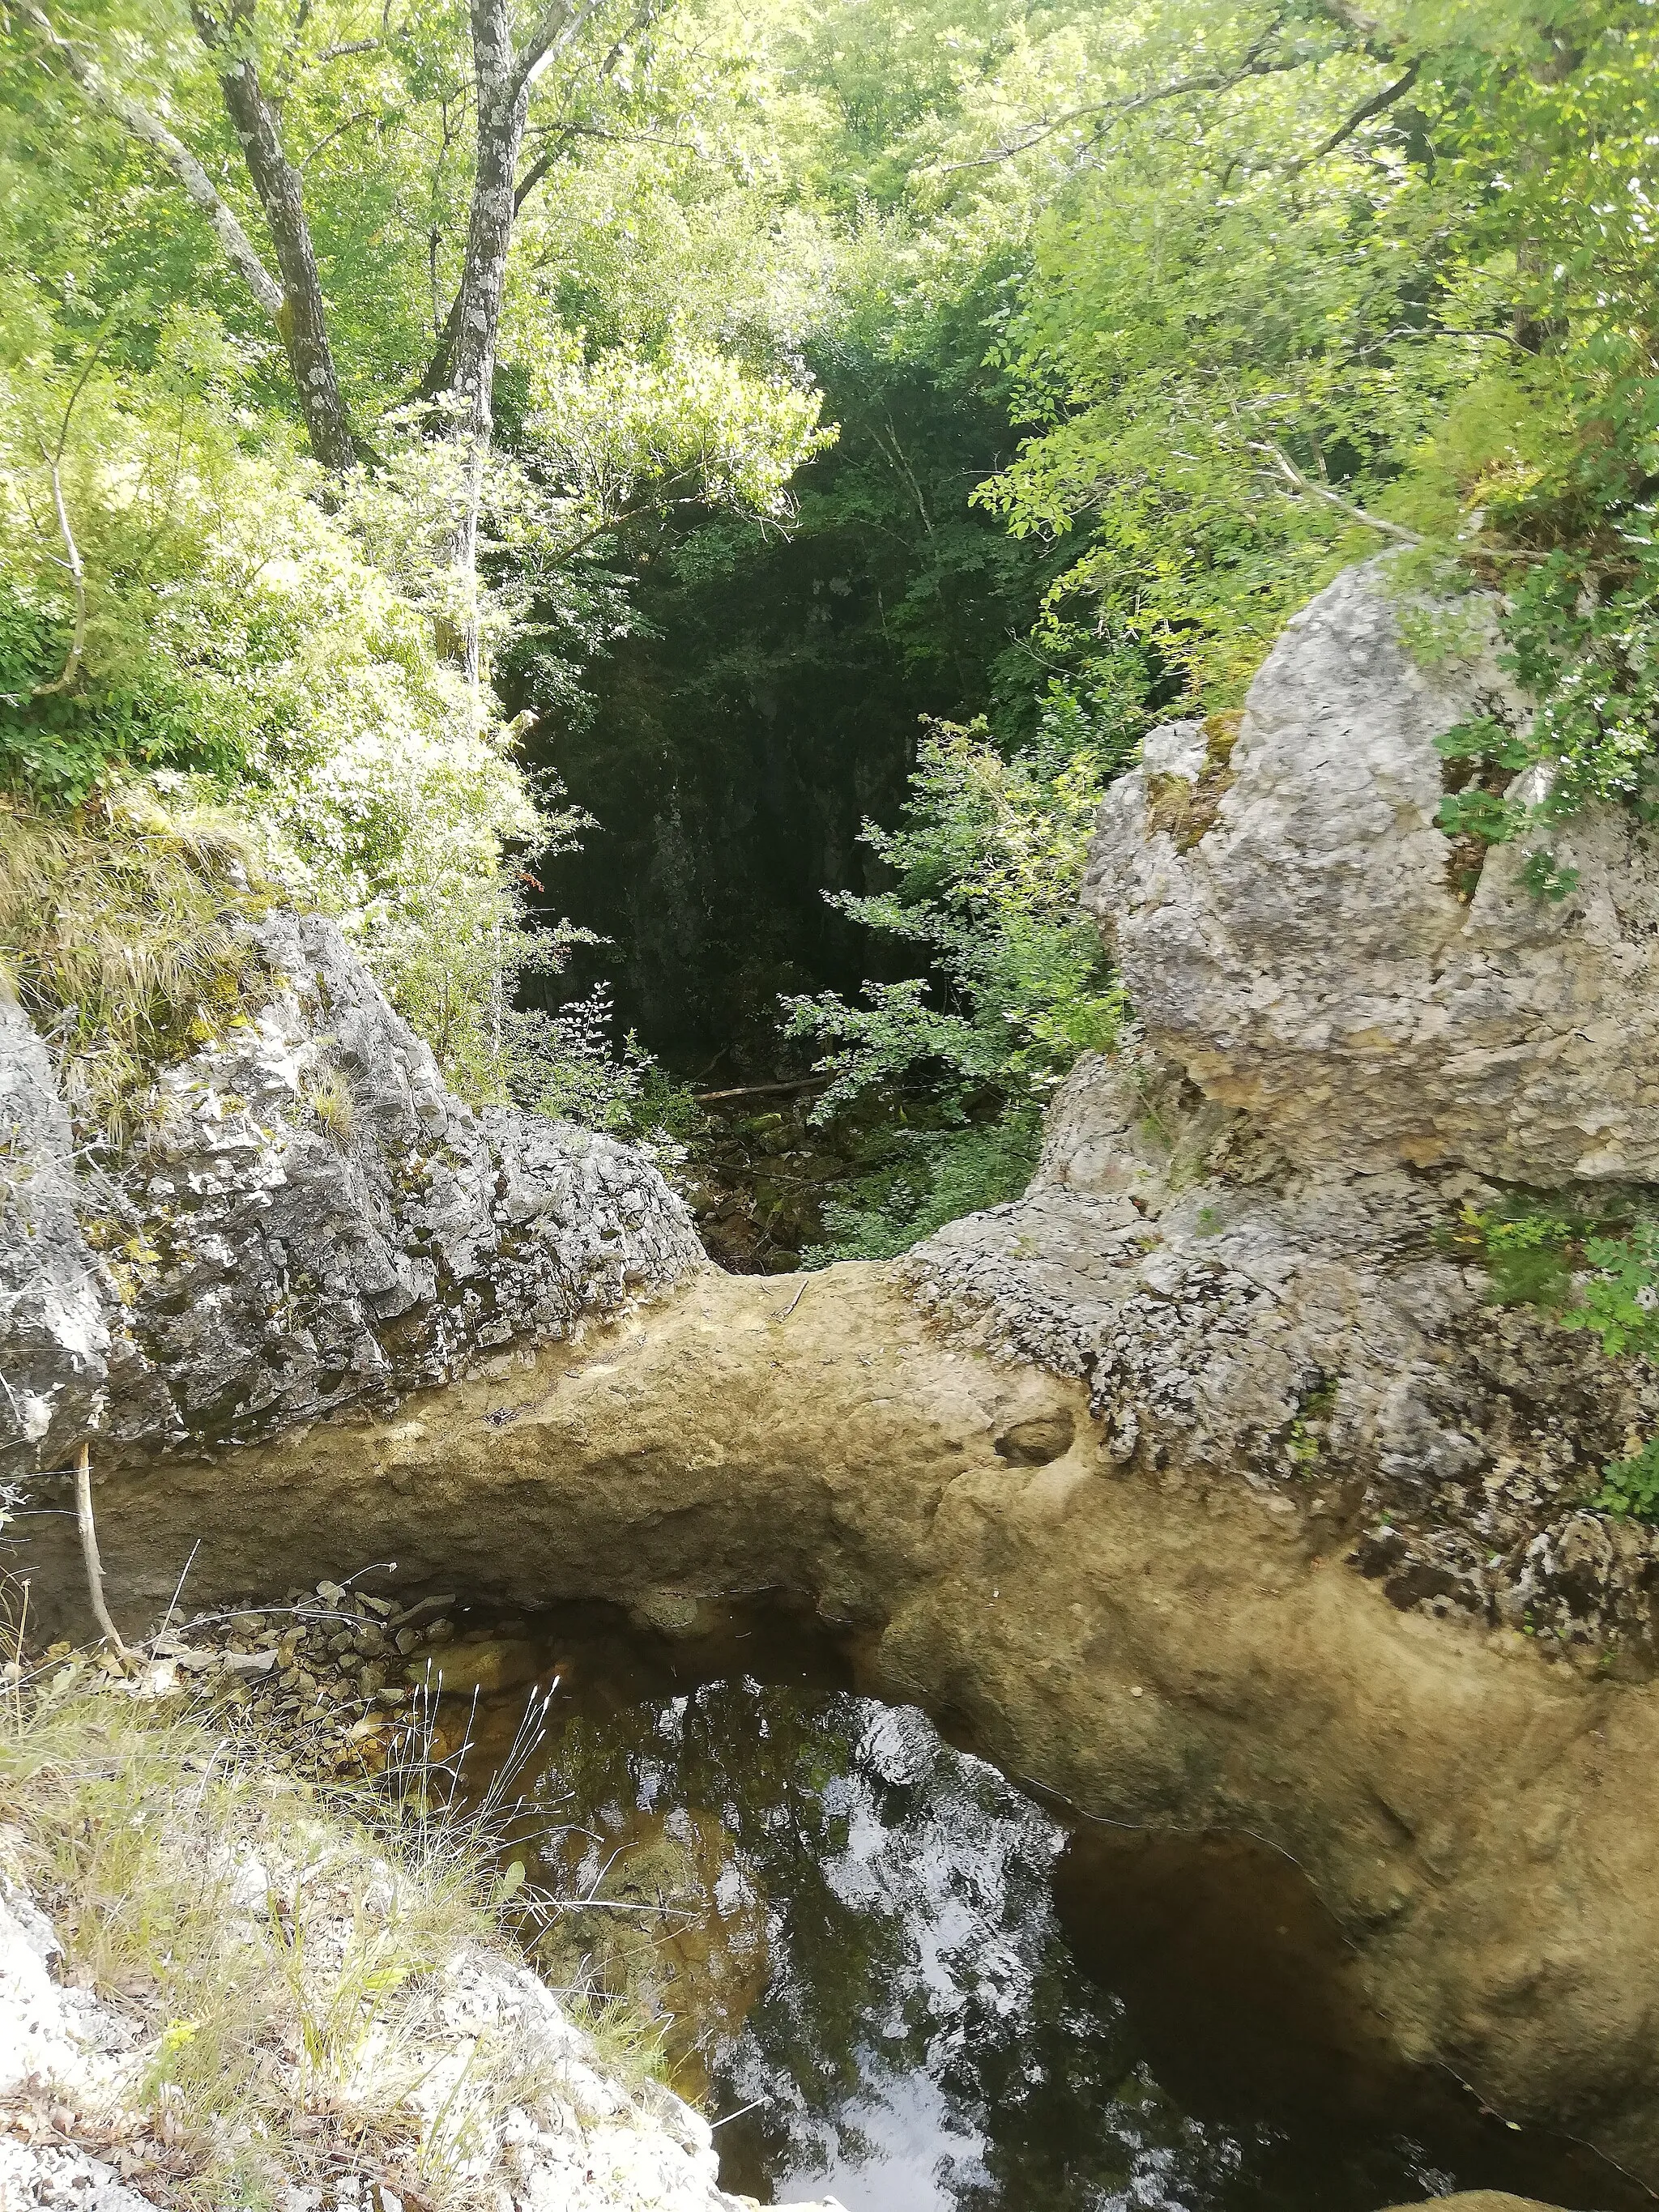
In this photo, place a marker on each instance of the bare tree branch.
(1114, 110)
(1286, 468)
(362, 115)
(239, 247)
(1363, 113)
(77, 577)
(89, 1554)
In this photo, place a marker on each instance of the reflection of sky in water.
(923, 2039)
(940, 1846)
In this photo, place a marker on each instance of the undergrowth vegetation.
(1597, 1272)
(986, 871)
(280, 1949)
(124, 934)
(272, 1946)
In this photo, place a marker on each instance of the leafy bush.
(930, 1177)
(565, 1064)
(988, 867)
(1630, 1488)
(1619, 1304)
(1527, 1254)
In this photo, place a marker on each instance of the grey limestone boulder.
(313, 1219)
(1246, 1232)
(1297, 935)
(52, 1326)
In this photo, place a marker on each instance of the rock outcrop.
(53, 1332)
(1480, 1822)
(1249, 1231)
(77, 2105)
(313, 1221)
(1082, 1476)
(1299, 937)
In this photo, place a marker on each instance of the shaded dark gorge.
(768, 700)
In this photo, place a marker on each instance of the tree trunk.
(503, 103)
(301, 319)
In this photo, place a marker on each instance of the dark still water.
(891, 1977)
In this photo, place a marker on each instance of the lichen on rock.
(313, 1220)
(1239, 1234)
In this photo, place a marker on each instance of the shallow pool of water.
(890, 1976)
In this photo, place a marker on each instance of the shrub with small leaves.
(1620, 1302)
(1630, 1488)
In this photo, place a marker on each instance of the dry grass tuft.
(124, 931)
(274, 1946)
(328, 1095)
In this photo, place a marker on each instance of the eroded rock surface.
(1317, 1337)
(314, 1220)
(1292, 926)
(1248, 1233)
(1164, 1649)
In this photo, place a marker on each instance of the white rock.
(1307, 956)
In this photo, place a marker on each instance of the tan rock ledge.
(1481, 1821)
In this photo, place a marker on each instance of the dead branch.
(1292, 474)
(89, 1553)
(72, 562)
(1114, 110)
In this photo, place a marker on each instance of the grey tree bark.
(294, 304)
(506, 78)
(302, 317)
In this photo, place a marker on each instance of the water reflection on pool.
(892, 1977)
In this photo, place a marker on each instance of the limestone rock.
(51, 1317)
(1478, 2200)
(314, 1220)
(1290, 924)
(573, 2135)
(1317, 1336)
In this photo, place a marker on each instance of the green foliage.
(1630, 1487)
(1242, 369)
(1591, 1280)
(987, 869)
(1527, 1254)
(929, 1177)
(1619, 1304)
(565, 1064)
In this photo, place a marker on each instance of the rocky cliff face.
(313, 1220)
(1298, 935)
(1244, 1231)
(1227, 1355)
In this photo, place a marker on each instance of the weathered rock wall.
(1297, 935)
(1317, 1338)
(1249, 1234)
(1088, 1474)
(313, 1220)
